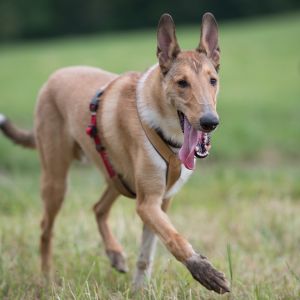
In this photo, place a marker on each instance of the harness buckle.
(95, 101)
(100, 148)
(94, 105)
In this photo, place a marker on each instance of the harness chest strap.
(171, 159)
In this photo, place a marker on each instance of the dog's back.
(62, 108)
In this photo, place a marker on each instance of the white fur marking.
(149, 116)
(184, 176)
(146, 256)
(146, 113)
(2, 119)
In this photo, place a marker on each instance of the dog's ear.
(167, 46)
(209, 39)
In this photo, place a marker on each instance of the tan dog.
(178, 94)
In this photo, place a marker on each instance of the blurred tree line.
(24, 19)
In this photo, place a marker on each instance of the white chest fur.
(184, 176)
(162, 169)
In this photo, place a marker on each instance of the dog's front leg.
(113, 249)
(147, 252)
(145, 259)
(150, 210)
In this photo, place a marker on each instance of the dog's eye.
(182, 83)
(213, 81)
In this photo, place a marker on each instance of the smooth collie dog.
(148, 129)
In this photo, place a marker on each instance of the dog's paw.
(141, 277)
(117, 261)
(138, 284)
(203, 271)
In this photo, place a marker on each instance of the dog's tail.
(19, 136)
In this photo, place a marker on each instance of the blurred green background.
(45, 18)
(243, 202)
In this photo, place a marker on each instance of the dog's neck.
(154, 108)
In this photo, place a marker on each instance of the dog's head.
(190, 78)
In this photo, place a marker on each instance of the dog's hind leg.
(56, 151)
(52, 191)
(147, 252)
(113, 249)
(55, 164)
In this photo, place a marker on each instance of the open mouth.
(181, 120)
(195, 144)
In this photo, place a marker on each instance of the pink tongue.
(186, 153)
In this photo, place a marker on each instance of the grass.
(242, 204)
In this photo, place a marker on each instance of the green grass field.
(242, 204)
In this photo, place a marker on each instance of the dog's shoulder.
(127, 83)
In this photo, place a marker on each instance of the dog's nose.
(209, 121)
